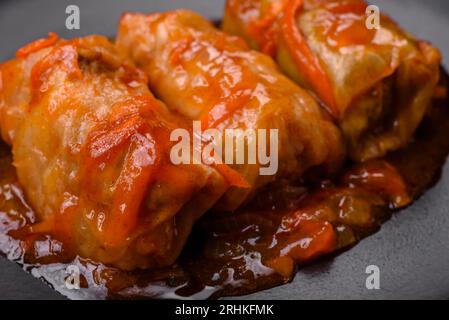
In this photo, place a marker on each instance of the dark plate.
(411, 250)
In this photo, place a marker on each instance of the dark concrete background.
(411, 250)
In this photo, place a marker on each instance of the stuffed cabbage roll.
(206, 75)
(377, 81)
(91, 147)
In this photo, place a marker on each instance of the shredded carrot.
(45, 226)
(279, 22)
(62, 55)
(131, 187)
(104, 142)
(283, 265)
(179, 49)
(233, 177)
(265, 30)
(37, 45)
(126, 129)
(321, 237)
(220, 112)
(380, 177)
(307, 240)
(306, 61)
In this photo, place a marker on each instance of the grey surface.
(411, 250)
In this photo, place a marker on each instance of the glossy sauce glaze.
(253, 249)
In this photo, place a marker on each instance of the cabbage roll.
(206, 75)
(376, 80)
(91, 147)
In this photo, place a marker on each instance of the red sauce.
(228, 98)
(348, 24)
(127, 125)
(64, 55)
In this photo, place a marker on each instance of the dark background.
(411, 250)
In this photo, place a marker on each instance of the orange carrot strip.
(37, 45)
(305, 59)
(322, 240)
(265, 30)
(220, 113)
(380, 177)
(131, 187)
(63, 55)
(234, 178)
(283, 265)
